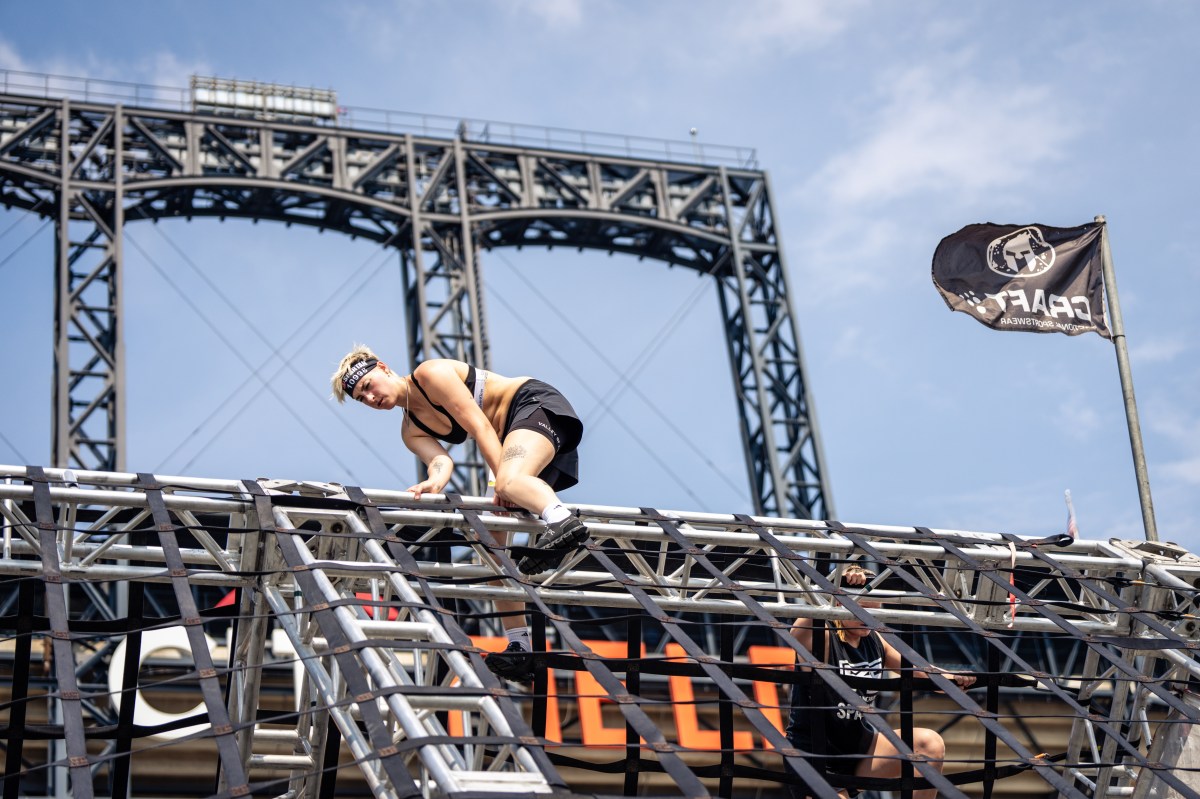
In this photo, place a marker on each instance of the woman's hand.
(440, 468)
(854, 575)
(961, 680)
(430, 485)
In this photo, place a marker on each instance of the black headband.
(356, 373)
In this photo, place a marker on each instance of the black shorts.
(540, 407)
(842, 746)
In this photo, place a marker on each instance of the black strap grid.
(1046, 681)
(628, 704)
(210, 686)
(625, 702)
(720, 672)
(410, 568)
(56, 587)
(353, 670)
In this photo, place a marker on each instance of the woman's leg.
(523, 457)
(883, 760)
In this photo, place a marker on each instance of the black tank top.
(457, 433)
(843, 722)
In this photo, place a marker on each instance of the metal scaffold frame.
(420, 713)
(439, 200)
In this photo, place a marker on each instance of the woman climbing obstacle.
(526, 431)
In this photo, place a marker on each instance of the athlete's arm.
(893, 661)
(438, 464)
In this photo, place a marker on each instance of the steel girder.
(321, 560)
(440, 202)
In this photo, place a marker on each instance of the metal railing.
(141, 95)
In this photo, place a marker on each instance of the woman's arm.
(438, 464)
(893, 661)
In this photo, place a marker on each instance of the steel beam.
(305, 553)
(440, 202)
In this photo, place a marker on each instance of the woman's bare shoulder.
(440, 368)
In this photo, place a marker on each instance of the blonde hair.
(360, 353)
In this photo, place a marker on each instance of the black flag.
(1024, 277)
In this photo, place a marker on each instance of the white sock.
(555, 512)
(521, 636)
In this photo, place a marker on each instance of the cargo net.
(182, 636)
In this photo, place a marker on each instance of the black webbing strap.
(906, 729)
(193, 625)
(813, 691)
(329, 764)
(989, 741)
(633, 683)
(634, 715)
(64, 655)
(725, 719)
(123, 745)
(541, 679)
(410, 568)
(289, 543)
(19, 689)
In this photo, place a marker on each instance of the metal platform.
(92, 559)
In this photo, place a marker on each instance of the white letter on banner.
(1019, 299)
(1039, 301)
(1060, 305)
(1084, 313)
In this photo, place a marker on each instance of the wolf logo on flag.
(1024, 277)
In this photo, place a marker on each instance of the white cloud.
(792, 26)
(1185, 471)
(1077, 420)
(837, 250)
(941, 131)
(556, 14)
(1172, 420)
(161, 68)
(1157, 349)
(11, 59)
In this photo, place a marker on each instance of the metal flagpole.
(1117, 328)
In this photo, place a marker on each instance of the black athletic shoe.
(514, 663)
(553, 544)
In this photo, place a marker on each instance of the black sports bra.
(457, 433)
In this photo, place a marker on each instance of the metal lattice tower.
(422, 716)
(439, 200)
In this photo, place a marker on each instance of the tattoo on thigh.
(514, 451)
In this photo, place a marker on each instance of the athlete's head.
(353, 368)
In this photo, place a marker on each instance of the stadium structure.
(183, 636)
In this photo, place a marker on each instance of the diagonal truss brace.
(310, 550)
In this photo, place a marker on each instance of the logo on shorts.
(550, 432)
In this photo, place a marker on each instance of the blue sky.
(884, 127)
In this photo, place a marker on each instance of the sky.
(883, 126)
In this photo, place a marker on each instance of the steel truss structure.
(439, 201)
(319, 561)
